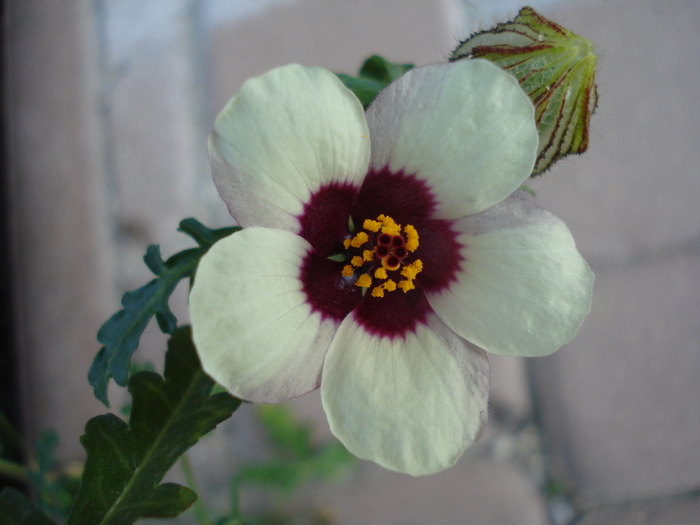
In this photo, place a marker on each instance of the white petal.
(254, 332)
(410, 405)
(524, 289)
(466, 128)
(281, 138)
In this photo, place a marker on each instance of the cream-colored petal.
(467, 129)
(253, 329)
(524, 289)
(412, 405)
(282, 137)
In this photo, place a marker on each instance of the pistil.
(384, 247)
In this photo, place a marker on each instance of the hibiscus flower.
(382, 254)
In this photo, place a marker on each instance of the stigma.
(378, 256)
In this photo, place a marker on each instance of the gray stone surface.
(62, 246)
(111, 103)
(677, 511)
(620, 403)
(635, 191)
(335, 35)
(477, 491)
(495, 482)
(155, 140)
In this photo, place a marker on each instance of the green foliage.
(121, 333)
(125, 463)
(298, 459)
(16, 509)
(375, 74)
(555, 67)
(55, 490)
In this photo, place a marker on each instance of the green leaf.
(375, 74)
(364, 89)
(55, 490)
(121, 333)
(555, 67)
(125, 463)
(381, 70)
(16, 509)
(203, 235)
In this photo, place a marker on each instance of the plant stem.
(13, 470)
(235, 497)
(200, 510)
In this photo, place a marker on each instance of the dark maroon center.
(325, 225)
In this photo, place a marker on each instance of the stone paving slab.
(679, 511)
(476, 491)
(63, 252)
(620, 404)
(635, 191)
(336, 35)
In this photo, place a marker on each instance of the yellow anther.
(347, 271)
(392, 229)
(411, 270)
(406, 285)
(380, 273)
(389, 226)
(389, 286)
(346, 243)
(371, 225)
(411, 238)
(359, 239)
(364, 281)
(357, 261)
(377, 291)
(368, 255)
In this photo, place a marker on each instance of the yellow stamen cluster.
(411, 270)
(357, 241)
(406, 285)
(380, 273)
(389, 286)
(390, 259)
(364, 281)
(411, 238)
(389, 226)
(371, 225)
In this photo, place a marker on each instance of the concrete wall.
(110, 103)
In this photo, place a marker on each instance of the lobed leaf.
(125, 463)
(555, 67)
(375, 74)
(121, 333)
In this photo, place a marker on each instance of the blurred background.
(106, 111)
